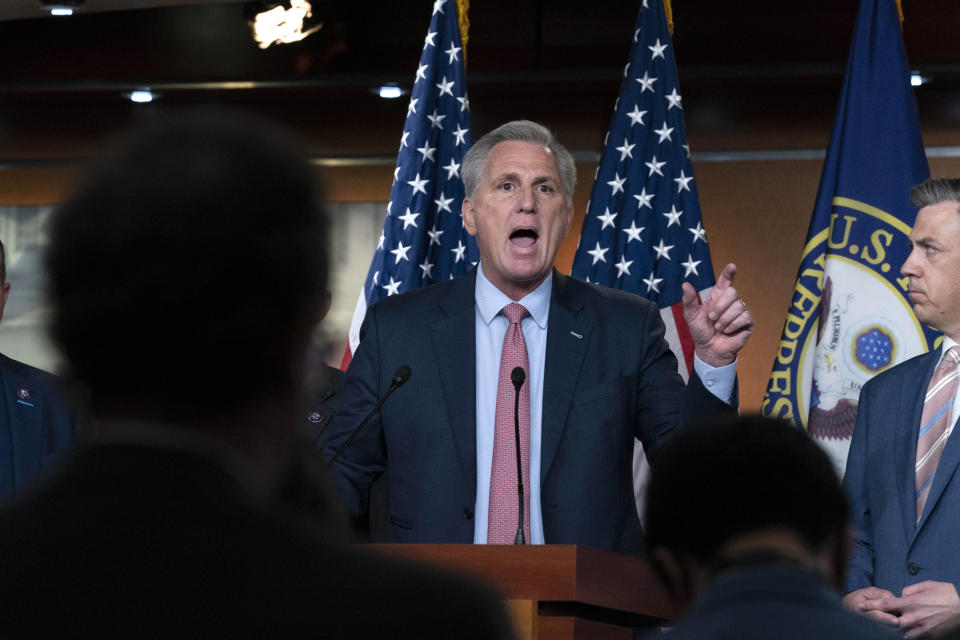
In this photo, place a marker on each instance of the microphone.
(399, 378)
(517, 376)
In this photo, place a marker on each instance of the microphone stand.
(517, 376)
(401, 376)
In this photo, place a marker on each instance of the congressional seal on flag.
(860, 325)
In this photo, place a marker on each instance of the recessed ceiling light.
(61, 7)
(390, 91)
(141, 96)
(917, 79)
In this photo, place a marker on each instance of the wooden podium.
(556, 591)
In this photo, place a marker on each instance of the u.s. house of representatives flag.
(849, 317)
(423, 239)
(643, 231)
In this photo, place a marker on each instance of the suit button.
(468, 513)
(913, 569)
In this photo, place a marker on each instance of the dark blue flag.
(849, 317)
(423, 239)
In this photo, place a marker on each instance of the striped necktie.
(935, 425)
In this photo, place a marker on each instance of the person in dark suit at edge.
(186, 278)
(901, 470)
(749, 529)
(36, 424)
(323, 390)
(598, 373)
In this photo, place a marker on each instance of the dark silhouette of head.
(753, 486)
(186, 273)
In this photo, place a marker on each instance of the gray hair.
(936, 190)
(475, 161)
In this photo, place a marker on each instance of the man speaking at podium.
(596, 373)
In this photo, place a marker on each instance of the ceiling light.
(141, 96)
(61, 7)
(390, 91)
(917, 79)
(279, 25)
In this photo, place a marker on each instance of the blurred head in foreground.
(747, 492)
(187, 273)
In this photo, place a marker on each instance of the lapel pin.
(576, 335)
(315, 417)
(24, 396)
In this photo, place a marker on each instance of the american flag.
(423, 240)
(643, 231)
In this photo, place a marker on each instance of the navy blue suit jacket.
(891, 549)
(609, 377)
(39, 424)
(773, 603)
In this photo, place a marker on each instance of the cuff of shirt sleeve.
(718, 380)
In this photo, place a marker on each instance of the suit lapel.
(24, 400)
(568, 335)
(949, 460)
(453, 333)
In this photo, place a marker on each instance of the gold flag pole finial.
(668, 12)
(463, 6)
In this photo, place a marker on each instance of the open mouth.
(524, 237)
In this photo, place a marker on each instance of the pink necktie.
(504, 499)
(935, 425)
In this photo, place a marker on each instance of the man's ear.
(469, 213)
(569, 218)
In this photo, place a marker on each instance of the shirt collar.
(945, 346)
(491, 300)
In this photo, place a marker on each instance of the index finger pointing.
(726, 276)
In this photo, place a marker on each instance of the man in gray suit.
(901, 470)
